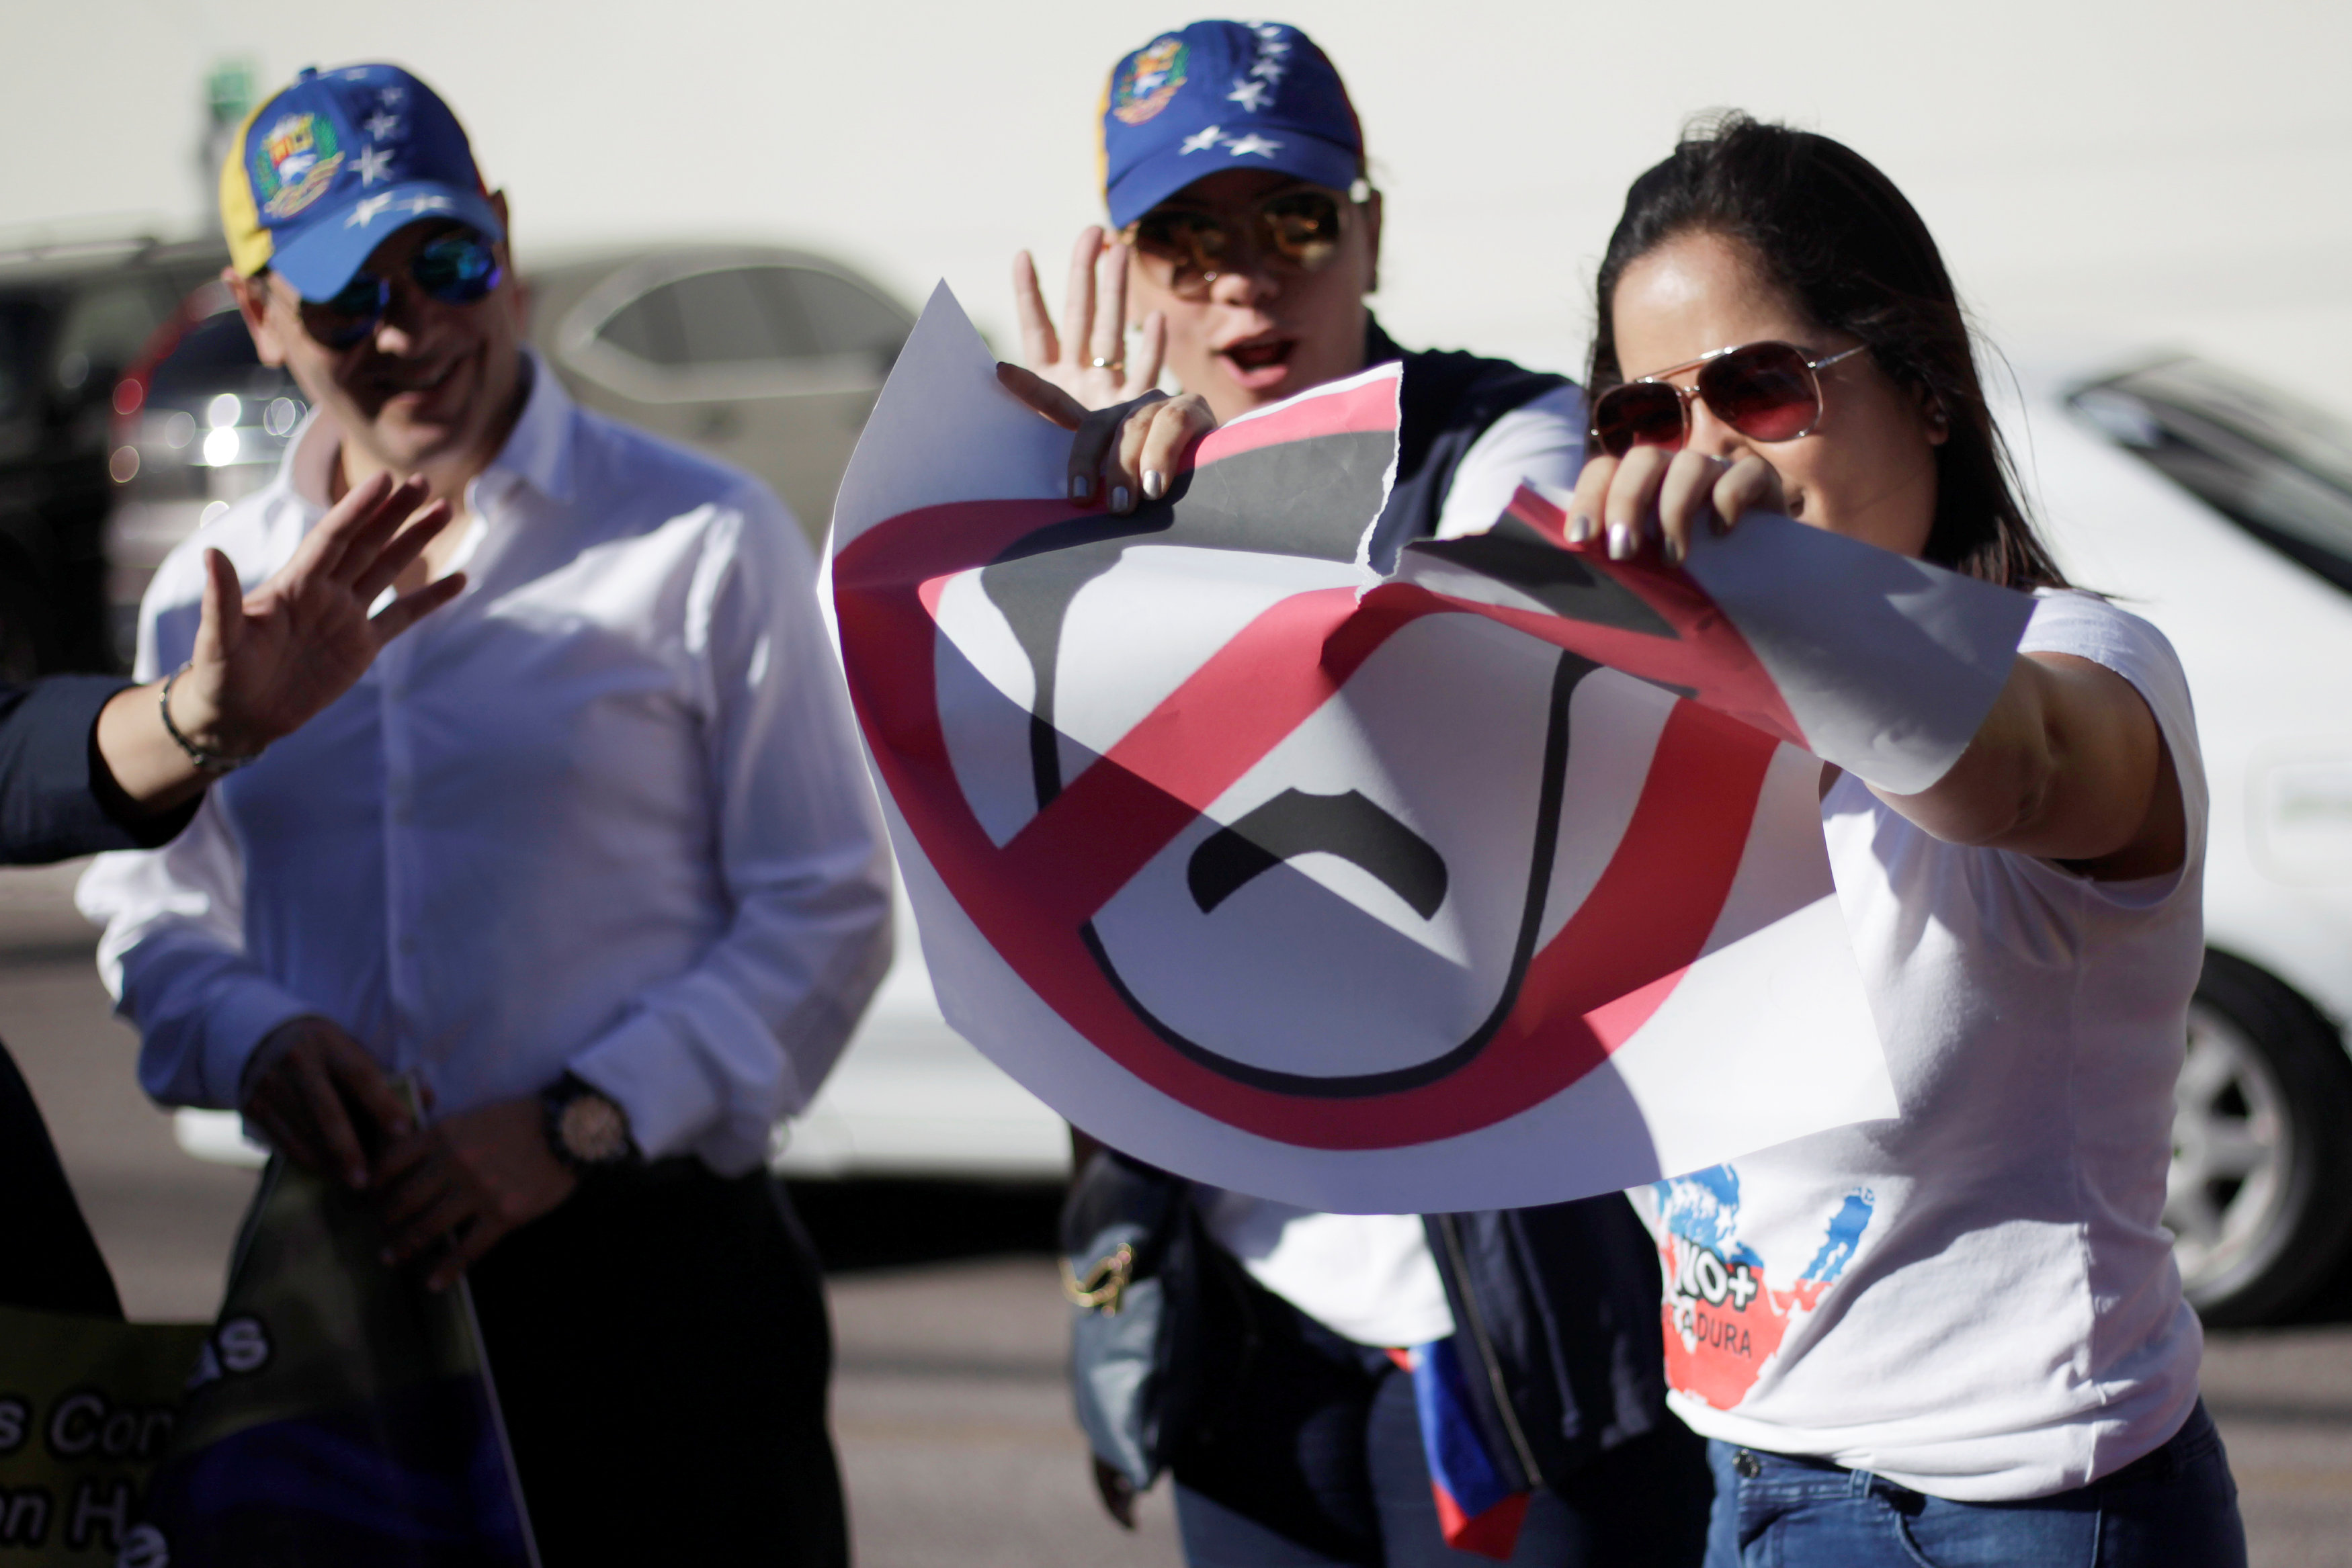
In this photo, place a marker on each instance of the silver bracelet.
(209, 761)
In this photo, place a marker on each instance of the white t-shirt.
(1975, 1300)
(1369, 1277)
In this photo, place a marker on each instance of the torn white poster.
(1493, 882)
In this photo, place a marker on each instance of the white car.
(2223, 511)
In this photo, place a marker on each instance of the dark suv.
(73, 319)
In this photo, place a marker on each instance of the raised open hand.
(1090, 362)
(265, 662)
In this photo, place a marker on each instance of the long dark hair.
(1834, 235)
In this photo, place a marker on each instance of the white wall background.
(2161, 171)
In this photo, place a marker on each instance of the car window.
(647, 327)
(847, 319)
(730, 317)
(2278, 467)
(750, 315)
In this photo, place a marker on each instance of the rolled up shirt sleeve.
(708, 1059)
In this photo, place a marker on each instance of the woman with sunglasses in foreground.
(1234, 174)
(1957, 1336)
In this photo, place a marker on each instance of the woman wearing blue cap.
(1370, 1389)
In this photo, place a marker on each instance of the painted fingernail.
(1672, 550)
(1621, 542)
(1155, 483)
(1118, 497)
(1579, 529)
(1081, 487)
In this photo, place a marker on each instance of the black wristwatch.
(585, 1129)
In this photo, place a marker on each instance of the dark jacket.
(1446, 403)
(1555, 1309)
(1556, 1319)
(55, 801)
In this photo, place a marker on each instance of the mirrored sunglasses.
(456, 269)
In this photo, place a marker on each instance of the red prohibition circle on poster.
(1035, 896)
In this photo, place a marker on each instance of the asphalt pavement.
(949, 1405)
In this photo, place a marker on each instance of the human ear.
(1933, 420)
(512, 286)
(253, 303)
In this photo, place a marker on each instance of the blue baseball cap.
(1223, 95)
(323, 171)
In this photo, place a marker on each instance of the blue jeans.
(2174, 1507)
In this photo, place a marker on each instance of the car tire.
(2259, 1197)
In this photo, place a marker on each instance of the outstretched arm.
(2069, 765)
(266, 662)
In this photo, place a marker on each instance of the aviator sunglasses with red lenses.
(1767, 391)
(457, 268)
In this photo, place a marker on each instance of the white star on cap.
(1249, 94)
(1269, 68)
(1242, 145)
(391, 94)
(364, 213)
(382, 124)
(374, 163)
(1203, 142)
(428, 203)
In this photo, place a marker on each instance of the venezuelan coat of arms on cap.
(1149, 80)
(295, 163)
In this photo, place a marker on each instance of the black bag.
(1131, 1257)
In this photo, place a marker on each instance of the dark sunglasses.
(1185, 250)
(456, 269)
(1767, 391)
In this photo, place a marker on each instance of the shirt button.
(1748, 1466)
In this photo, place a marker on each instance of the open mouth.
(1262, 364)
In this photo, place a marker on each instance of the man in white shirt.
(589, 857)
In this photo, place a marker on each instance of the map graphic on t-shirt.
(1723, 1316)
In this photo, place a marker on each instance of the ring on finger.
(1102, 365)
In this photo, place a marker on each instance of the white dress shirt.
(601, 813)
